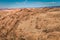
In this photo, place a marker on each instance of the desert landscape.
(30, 24)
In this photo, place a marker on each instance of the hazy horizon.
(28, 3)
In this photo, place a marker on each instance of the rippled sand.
(30, 24)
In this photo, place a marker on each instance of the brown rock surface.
(30, 24)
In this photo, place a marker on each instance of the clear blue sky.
(29, 0)
(28, 3)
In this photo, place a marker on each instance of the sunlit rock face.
(30, 24)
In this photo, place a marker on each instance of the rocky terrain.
(30, 24)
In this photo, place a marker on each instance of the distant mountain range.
(33, 7)
(53, 6)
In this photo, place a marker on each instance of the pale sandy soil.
(30, 24)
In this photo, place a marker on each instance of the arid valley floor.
(30, 24)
